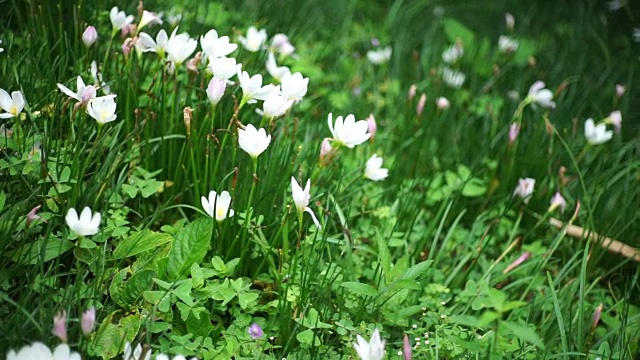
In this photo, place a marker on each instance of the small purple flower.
(596, 317)
(375, 42)
(60, 326)
(88, 321)
(514, 130)
(255, 331)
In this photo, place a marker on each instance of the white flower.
(453, 53)
(453, 78)
(223, 67)
(301, 199)
(374, 170)
(524, 189)
(13, 104)
(119, 19)
(442, 103)
(372, 350)
(40, 351)
(596, 134)
(149, 18)
(85, 225)
(277, 72)
(379, 56)
(254, 40)
(1, 49)
(134, 354)
(294, 86)
(253, 141)
(84, 94)
(216, 89)
(252, 88)
(145, 43)
(276, 104)
(615, 119)
(281, 44)
(103, 109)
(349, 132)
(89, 36)
(541, 96)
(507, 44)
(214, 46)
(180, 47)
(557, 201)
(218, 206)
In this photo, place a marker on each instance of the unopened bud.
(89, 36)
(509, 21)
(517, 262)
(60, 326)
(412, 92)
(88, 321)
(619, 90)
(442, 103)
(187, 114)
(514, 130)
(421, 103)
(371, 124)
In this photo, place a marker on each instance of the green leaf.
(454, 30)
(183, 291)
(384, 257)
(112, 334)
(523, 333)
(139, 242)
(190, 246)
(43, 249)
(85, 243)
(359, 288)
(245, 299)
(307, 337)
(130, 190)
(3, 199)
(137, 285)
(417, 270)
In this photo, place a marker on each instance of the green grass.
(422, 251)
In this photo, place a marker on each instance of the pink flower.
(442, 103)
(88, 321)
(60, 326)
(514, 130)
(406, 348)
(31, 216)
(596, 317)
(524, 189)
(421, 102)
(517, 262)
(557, 201)
(371, 123)
(615, 119)
(255, 331)
(325, 151)
(412, 92)
(89, 36)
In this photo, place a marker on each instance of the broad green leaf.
(417, 270)
(307, 337)
(139, 242)
(189, 246)
(43, 249)
(183, 291)
(136, 285)
(130, 190)
(384, 257)
(474, 187)
(523, 332)
(359, 288)
(111, 335)
(246, 299)
(199, 323)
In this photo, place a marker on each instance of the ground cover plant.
(318, 180)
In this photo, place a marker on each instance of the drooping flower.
(525, 188)
(218, 206)
(32, 214)
(216, 89)
(180, 47)
(276, 104)
(253, 141)
(557, 201)
(252, 89)
(145, 43)
(507, 44)
(84, 93)
(301, 199)
(149, 18)
(88, 321)
(40, 351)
(371, 350)
(254, 40)
(119, 19)
(86, 225)
(294, 86)
(277, 72)
(103, 109)
(89, 36)
(60, 326)
(255, 331)
(453, 53)
(379, 56)
(442, 103)
(453, 78)
(216, 47)
(13, 104)
(596, 134)
(281, 44)
(615, 119)
(373, 170)
(135, 353)
(541, 96)
(348, 132)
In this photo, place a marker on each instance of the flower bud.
(514, 130)
(371, 124)
(127, 45)
(89, 36)
(517, 262)
(31, 216)
(615, 119)
(60, 326)
(406, 348)
(187, 114)
(557, 201)
(596, 317)
(216, 89)
(509, 21)
(412, 92)
(325, 150)
(421, 102)
(619, 90)
(88, 321)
